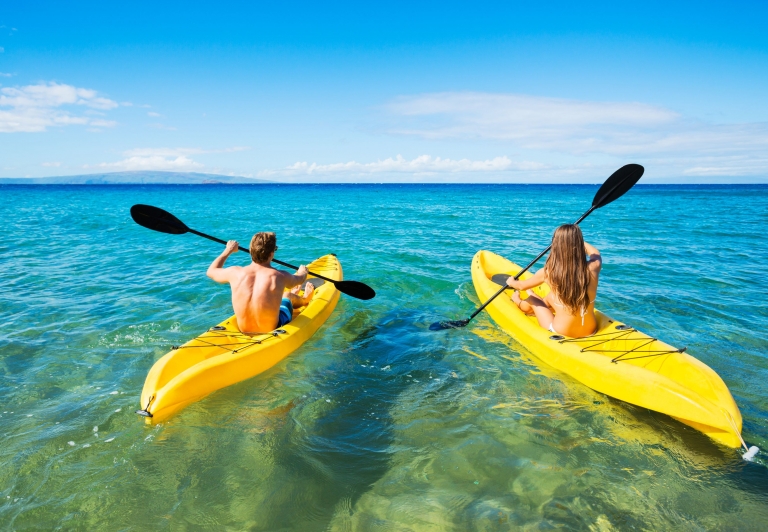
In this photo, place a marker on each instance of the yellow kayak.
(617, 360)
(223, 356)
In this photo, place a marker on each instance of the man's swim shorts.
(286, 312)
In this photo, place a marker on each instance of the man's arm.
(216, 270)
(295, 280)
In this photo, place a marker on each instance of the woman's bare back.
(579, 324)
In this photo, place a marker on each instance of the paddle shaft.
(521, 272)
(241, 248)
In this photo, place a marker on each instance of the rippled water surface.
(376, 423)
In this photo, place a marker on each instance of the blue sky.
(439, 91)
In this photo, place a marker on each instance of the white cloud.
(511, 110)
(5, 75)
(233, 149)
(56, 164)
(153, 162)
(52, 95)
(172, 159)
(732, 166)
(531, 121)
(103, 123)
(34, 108)
(162, 152)
(584, 128)
(422, 165)
(175, 152)
(162, 126)
(153, 114)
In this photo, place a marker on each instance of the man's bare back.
(258, 290)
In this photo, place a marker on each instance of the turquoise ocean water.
(376, 423)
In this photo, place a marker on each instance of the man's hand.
(299, 277)
(216, 270)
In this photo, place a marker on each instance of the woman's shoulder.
(595, 262)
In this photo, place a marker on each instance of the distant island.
(134, 178)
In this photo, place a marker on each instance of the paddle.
(614, 187)
(165, 222)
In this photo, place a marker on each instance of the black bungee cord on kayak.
(622, 333)
(221, 332)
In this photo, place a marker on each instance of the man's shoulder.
(234, 269)
(279, 273)
(266, 272)
(284, 277)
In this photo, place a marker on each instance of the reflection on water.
(376, 423)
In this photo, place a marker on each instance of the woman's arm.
(535, 280)
(591, 250)
(594, 257)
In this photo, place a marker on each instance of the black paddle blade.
(443, 325)
(355, 289)
(618, 184)
(157, 220)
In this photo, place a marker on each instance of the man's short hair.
(262, 246)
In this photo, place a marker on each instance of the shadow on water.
(685, 443)
(696, 448)
(347, 448)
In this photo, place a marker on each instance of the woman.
(571, 271)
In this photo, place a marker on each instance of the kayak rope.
(624, 335)
(751, 451)
(248, 340)
(146, 412)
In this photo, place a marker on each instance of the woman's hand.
(531, 282)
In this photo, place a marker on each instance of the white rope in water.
(751, 451)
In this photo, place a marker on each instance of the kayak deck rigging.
(221, 332)
(623, 333)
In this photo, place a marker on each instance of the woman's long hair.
(567, 268)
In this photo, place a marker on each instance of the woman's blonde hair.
(567, 268)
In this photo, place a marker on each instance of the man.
(260, 293)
